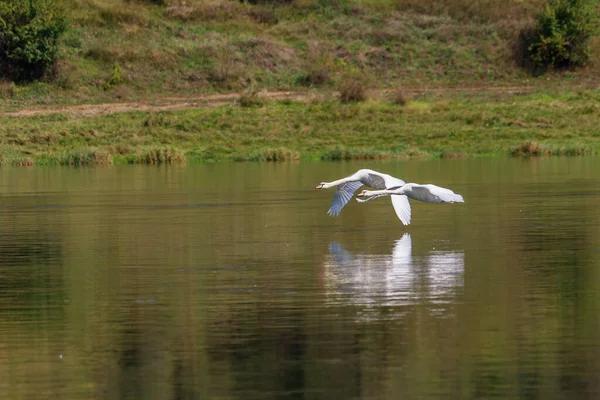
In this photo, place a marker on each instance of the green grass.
(540, 123)
(131, 50)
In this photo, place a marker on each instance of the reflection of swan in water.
(396, 279)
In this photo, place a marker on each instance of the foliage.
(115, 77)
(29, 37)
(212, 46)
(562, 34)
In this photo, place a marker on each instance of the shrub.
(353, 88)
(318, 75)
(29, 35)
(561, 36)
(115, 77)
(399, 97)
(249, 97)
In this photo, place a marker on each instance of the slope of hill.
(128, 50)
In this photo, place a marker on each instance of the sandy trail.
(191, 102)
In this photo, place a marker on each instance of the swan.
(377, 180)
(426, 193)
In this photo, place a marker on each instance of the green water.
(229, 281)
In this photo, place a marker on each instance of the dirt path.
(185, 103)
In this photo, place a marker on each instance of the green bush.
(29, 34)
(562, 34)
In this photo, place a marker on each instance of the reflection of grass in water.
(452, 127)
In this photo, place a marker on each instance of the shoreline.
(288, 126)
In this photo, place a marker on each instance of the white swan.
(425, 193)
(347, 186)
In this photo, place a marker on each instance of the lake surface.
(229, 281)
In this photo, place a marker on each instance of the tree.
(29, 37)
(562, 34)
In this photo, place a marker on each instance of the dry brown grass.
(249, 97)
(23, 162)
(65, 74)
(279, 154)
(453, 154)
(86, 157)
(7, 89)
(208, 10)
(162, 156)
(129, 14)
(400, 97)
(227, 72)
(468, 10)
(531, 149)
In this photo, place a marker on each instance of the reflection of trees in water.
(262, 341)
(30, 273)
(552, 322)
(399, 278)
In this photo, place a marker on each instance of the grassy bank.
(446, 126)
(118, 50)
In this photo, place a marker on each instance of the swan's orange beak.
(319, 186)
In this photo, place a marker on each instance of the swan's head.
(322, 185)
(364, 193)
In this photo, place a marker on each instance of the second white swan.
(426, 193)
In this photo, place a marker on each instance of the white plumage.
(377, 180)
(426, 193)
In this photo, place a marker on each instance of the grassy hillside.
(128, 50)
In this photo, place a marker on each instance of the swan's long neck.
(328, 185)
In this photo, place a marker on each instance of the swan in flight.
(425, 193)
(377, 180)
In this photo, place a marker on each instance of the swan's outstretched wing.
(342, 196)
(436, 194)
(402, 208)
(392, 182)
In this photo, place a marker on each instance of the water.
(229, 281)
